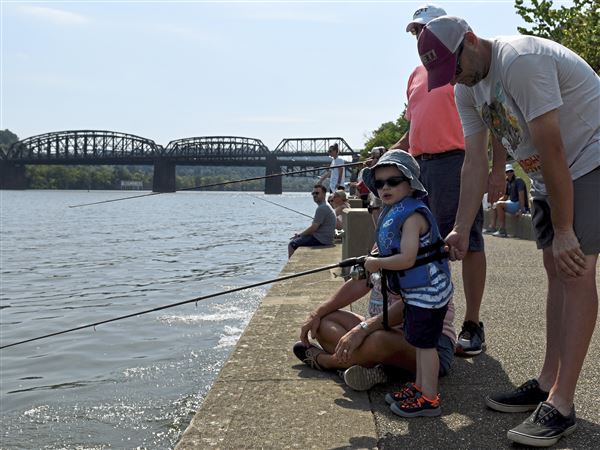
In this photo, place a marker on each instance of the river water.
(135, 383)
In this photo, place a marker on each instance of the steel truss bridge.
(94, 147)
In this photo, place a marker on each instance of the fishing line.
(344, 263)
(281, 206)
(217, 184)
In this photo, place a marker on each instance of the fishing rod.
(277, 204)
(344, 263)
(218, 184)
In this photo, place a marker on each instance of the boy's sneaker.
(500, 233)
(419, 406)
(408, 390)
(308, 355)
(544, 427)
(471, 340)
(489, 230)
(524, 398)
(362, 378)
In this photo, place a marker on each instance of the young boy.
(414, 267)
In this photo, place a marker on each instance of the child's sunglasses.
(391, 182)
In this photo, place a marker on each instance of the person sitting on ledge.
(359, 345)
(322, 229)
(514, 201)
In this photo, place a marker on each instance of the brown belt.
(426, 156)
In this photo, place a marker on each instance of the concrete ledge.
(519, 227)
(264, 397)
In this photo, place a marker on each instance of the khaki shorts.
(586, 217)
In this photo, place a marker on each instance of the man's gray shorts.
(440, 174)
(586, 217)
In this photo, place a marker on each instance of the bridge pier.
(273, 185)
(12, 176)
(164, 176)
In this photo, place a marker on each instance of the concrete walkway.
(265, 398)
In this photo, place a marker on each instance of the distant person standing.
(542, 101)
(322, 229)
(335, 172)
(514, 201)
(435, 139)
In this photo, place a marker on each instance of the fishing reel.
(358, 272)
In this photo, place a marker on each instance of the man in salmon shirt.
(435, 139)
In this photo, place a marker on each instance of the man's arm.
(403, 143)
(496, 180)
(310, 230)
(474, 178)
(545, 134)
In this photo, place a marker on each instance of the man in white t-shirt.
(542, 101)
(335, 173)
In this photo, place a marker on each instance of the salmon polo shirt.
(434, 122)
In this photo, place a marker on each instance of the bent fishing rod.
(217, 184)
(344, 263)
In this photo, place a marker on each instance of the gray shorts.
(586, 217)
(440, 174)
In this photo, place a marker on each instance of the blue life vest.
(388, 237)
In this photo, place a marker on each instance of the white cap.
(424, 14)
(508, 168)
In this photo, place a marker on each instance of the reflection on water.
(135, 382)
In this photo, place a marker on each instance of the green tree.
(387, 135)
(576, 27)
(7, 137)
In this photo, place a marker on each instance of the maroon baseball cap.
(438, 46)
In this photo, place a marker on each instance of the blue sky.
(168, 70)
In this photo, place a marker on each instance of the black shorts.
(423, 326)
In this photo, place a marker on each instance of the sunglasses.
(459, 69)
(315, 193)
(373, 208)
(391, 182)
(416, 29)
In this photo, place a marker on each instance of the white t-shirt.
(529, 77)
(334, 180)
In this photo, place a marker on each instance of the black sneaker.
(524, 398)
(544, 427)
(308, 355)
(471, 340)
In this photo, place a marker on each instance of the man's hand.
(457, 245)
(348, 343)
(568, 257)
(311, 324)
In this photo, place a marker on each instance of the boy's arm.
(413, 227)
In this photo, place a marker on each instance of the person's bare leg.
(333, 326)
(554, 310)
(501, 215)
(578, 322)
(493, 218)
(473, 275)
(428, 368)
(381, 346)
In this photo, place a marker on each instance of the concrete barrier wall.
(359, 232)
(519, 227)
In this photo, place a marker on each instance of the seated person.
(322, 229)
(514, 201)
(350, 342)
(339, 202)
